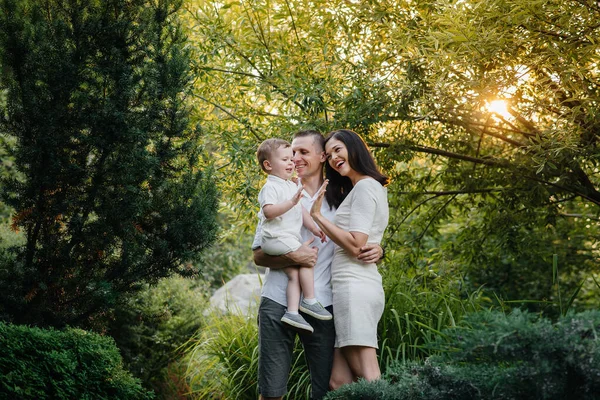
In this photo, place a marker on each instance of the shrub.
(151, 325)
(70, 364)
(493, 356)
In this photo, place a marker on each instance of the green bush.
(70, 364)
(496, 356)
(151, 325)
(223, 362)
(229, 255)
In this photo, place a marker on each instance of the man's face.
(308, 157)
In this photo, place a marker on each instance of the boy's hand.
(296, 198)
(318, 233)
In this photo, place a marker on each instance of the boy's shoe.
(298, 322)
(315, 310)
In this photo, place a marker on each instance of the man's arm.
(305, 256)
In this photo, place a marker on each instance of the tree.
(111, 193)
(484, 114)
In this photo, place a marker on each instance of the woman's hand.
(315, 210)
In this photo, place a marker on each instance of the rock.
(240, 295)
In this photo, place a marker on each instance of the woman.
(356, 188)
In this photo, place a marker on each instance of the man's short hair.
(266, 149)
(317, 136)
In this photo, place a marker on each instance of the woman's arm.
(352, 242)
(309, 224)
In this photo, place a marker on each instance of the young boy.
(282, 219)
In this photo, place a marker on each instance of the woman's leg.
(340, 372)
(362, 361)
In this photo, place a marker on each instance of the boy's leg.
(318, 350)
(293, 288)
(291, 317)
(309, 304)
(306, 276)
(275, 348)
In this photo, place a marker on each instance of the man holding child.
(276, 340)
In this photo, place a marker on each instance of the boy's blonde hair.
(266, 149)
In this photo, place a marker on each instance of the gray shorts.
(275, 348)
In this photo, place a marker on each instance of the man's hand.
(305, 256)
(370, 253)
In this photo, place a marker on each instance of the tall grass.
(223, 361)
(417, 309)
(223, 358)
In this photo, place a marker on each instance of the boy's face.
(281, 163)
(308, 158)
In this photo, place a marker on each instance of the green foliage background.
(117, 133)
(486, 194)
(490, 208)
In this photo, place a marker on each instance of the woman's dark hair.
(360, 160)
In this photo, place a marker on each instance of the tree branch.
(262, 76)
(245, 123)
(592, 194)
(418, 239)
(430, 150)
(484, 131)
(592, 218)
(229, 71)
(452, 192)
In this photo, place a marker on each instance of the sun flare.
(499, 107)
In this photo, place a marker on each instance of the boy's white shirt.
(277, 190)
(275, 283)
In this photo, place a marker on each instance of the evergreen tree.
(111, 194)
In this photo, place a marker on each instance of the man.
(275, 340)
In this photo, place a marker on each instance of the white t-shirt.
(275, 284)
(277, 190)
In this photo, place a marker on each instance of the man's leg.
(318, 350)
(275, 347)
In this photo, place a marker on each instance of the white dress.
(358, 297)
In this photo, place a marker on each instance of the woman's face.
(337, 157)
